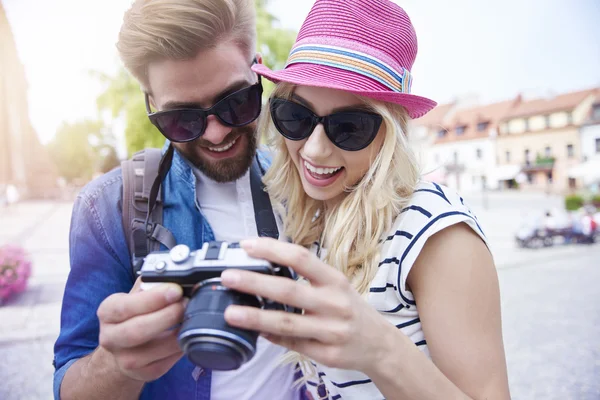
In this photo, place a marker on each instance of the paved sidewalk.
(42, 228)
(501, 214)
(29, 322)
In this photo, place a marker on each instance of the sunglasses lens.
(242, 107)
(354, 130)
(292, 120)
(181, 125)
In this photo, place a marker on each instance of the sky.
(481, 50)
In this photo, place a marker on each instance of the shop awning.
(505, 172)
(588, 171)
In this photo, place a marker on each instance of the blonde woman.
(403, 300)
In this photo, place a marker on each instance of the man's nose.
(215, 130)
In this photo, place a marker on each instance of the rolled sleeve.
(59, 374)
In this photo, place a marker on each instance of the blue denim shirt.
(100, 266)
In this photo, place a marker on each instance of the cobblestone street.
(550, 299)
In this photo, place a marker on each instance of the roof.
(470, 118)
(562, 102)
(434, 117)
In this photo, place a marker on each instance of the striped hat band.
(366, 65)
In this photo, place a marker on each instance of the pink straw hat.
(366, 47)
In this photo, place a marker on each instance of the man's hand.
(138, 330)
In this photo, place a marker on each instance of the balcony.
(454, 168)
(540, 164)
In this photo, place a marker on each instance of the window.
(572, 183)
(508, 156)
(569, 118)
(455, 157)
(526, 124)
(597, 145)
(596, 112)
(530, 178)
(527, 157)
(460, 129)
(548, 151)
(482, 126)
(479, 154)
(547, 121)
(570, 151)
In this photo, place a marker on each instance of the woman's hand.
(338, 329)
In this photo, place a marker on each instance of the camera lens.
(205, 337)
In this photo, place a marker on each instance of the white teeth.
(320, 171)
(223, 148)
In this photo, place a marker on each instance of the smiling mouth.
(223, 148)
(321, 173)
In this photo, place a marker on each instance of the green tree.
(273, 42)
(123, 97)
(72, 150)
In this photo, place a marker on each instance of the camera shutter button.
(179, 253)
(160, 266)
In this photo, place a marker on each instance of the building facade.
(540, 140)
(544, 144)
(590, 134)
(24, 162)
(463, 146)
(422, 136)
(588, 172)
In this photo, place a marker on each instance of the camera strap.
(263, 211)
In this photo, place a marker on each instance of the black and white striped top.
(431, 209)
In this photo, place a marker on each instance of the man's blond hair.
(179, 29)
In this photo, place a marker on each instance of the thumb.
(137, 285)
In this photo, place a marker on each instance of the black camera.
(205, 337)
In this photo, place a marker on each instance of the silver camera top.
(212, 254)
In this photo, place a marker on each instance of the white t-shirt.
(431, 209)
(229, 209)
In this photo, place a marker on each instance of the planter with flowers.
(15, 270)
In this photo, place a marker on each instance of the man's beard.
(229, 169)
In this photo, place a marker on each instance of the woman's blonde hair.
(353, 229)
(179, 29)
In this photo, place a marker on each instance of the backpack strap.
(144, 233)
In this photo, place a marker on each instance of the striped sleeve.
(431, 209)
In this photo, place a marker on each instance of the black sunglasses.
(348, 130)
(186, 124)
